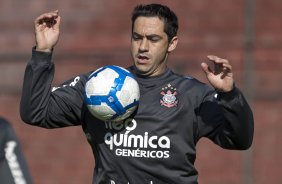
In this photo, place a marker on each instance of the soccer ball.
(111, 93)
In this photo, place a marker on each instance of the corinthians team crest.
(169, 96)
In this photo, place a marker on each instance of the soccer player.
(157, 145)
(13, 167)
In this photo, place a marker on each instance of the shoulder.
(76, 82)
(192, 86)
(192, 81)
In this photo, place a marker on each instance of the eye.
(136, 37)
(154, 38)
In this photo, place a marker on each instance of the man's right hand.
(47, 31)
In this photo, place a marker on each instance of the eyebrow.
(148, 36)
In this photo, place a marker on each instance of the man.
(13, 168)
(158, 143)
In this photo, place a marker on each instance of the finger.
(227, 66)
(218, 60)
(46, 16)
(57, 23)
(222, 68)
(206, 68)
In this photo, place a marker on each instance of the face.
(150, 46)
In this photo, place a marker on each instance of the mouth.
(142, 59)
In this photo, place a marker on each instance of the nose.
(143, 47)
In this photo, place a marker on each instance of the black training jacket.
(157, 145)
(13, 167)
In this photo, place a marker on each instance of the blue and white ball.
(112, 93)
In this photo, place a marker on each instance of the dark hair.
(161, 11)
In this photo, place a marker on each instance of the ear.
(173, 43)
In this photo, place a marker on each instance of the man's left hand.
(221, 76)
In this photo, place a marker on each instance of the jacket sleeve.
(44, 106)
(13, 167)
(226, 119)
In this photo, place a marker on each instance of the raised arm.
(40, 105)
(47, 30)
(226, 117)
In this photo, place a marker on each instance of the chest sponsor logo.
(169, 98)
(127, 144)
